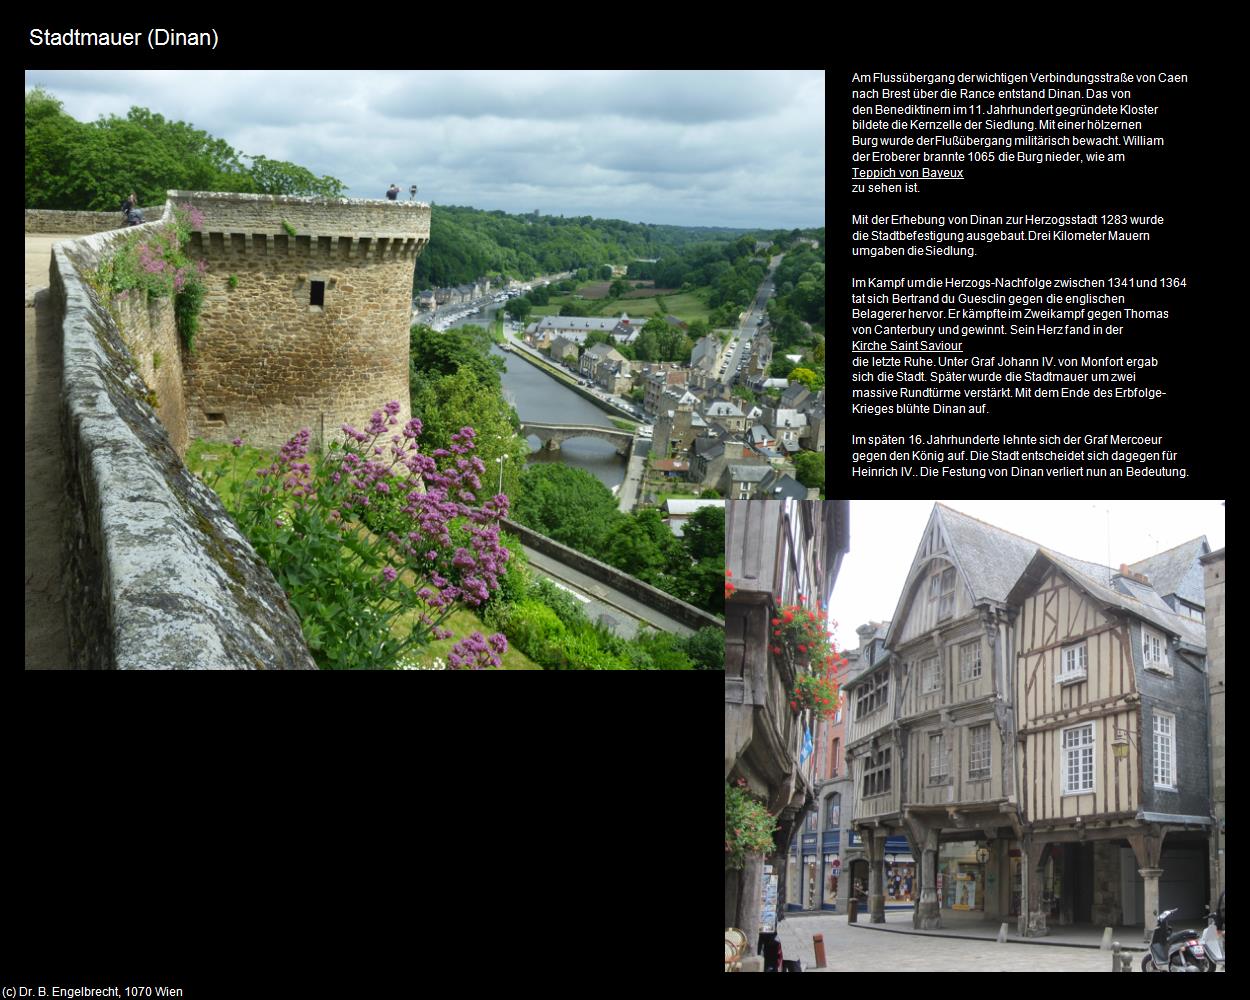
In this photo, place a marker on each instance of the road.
(749, 326)
(625, 611)
(864, 947)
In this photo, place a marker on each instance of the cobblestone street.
(866, 947)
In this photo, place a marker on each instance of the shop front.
(803, 883)
(961, 876)
(829, 847)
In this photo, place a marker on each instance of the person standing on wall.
(393, 192)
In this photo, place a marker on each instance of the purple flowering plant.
(379, 543)
(155, 262)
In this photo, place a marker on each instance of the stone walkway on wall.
(47, 647)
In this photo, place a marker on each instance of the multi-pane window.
(969, 661)
(930, 676)
(1074, 662)
(979, 753)
(947, 607)
(937, 757)
(1078, 759)
(873, 694)
(835, 759)
(942, 592)
(877, 773)
(812, 820)
(1165, 750)
(835, 812)
(1154, 650)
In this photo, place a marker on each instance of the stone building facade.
(304, 330)
(1214, 567)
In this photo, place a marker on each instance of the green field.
(687, 306)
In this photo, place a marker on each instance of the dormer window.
(1154, 651)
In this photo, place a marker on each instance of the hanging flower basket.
(749, 827)
(815, 692)
(729, 587)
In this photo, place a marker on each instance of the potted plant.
(749, 827)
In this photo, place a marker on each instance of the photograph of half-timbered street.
(1011, 757)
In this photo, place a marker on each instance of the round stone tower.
(307, 307)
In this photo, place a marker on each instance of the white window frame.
(987, 764)
(970, 667)
(1153, 642)
(946, 598)
(1066, 752)
(1169, 756)
(939, 770)
(930, 675)
(1073, 663)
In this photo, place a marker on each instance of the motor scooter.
(1173, 951)
(1213, 941)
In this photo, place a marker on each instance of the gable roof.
(1128, 595)
(1177, 571)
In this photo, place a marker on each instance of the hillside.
(466, 243)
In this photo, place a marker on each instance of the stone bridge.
(553, 435)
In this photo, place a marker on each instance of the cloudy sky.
(886, 533)
(718, 148)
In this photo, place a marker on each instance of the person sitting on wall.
(393, 192)
(130, 210)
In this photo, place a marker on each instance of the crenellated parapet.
(373, 218)
(306, 311)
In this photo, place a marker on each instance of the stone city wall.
(39, 220)
(687, 614)
(158, 576)
(149, 331)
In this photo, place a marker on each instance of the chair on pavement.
(735, 948)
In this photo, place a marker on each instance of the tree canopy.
(93, 165)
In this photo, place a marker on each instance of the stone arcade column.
(928, 915)
(876, 877)
(1151, 878)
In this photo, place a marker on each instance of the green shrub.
(653, 650)
(706, 648)
(566, 607)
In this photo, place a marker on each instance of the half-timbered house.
(1110, 695)
(930, 730)
(988, 734)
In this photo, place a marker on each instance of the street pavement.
(890, 947)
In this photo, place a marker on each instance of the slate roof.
(723, 409)
(1177, 571)
(779, 485)
(709, 447)
(794, 396)
(578, 323)
(749, 473)
(991, 559)
(1129, 595)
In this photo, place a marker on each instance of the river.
(539, 397)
